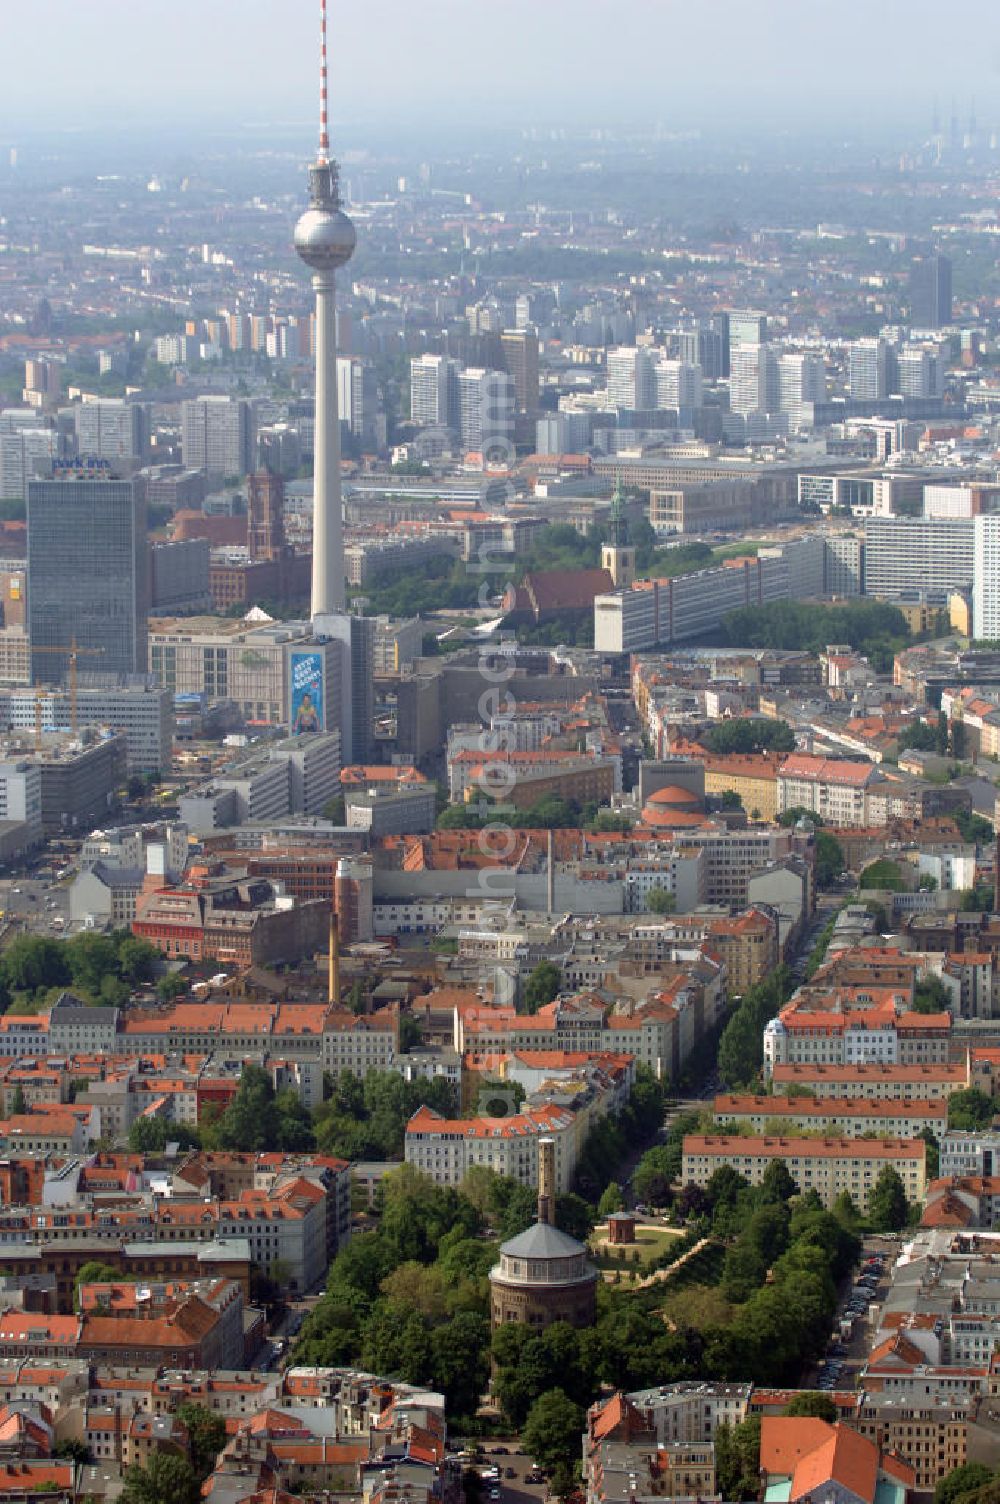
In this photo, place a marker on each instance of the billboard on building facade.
(307, 693)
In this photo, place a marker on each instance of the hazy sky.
(83, 61)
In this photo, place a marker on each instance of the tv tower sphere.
(324, 236)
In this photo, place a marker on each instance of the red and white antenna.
(324, 132)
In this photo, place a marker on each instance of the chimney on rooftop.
(546, 1179)
(334, 978)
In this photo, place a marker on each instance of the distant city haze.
(774, 63)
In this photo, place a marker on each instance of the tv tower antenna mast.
(325, 239)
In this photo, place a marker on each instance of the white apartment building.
(217, 435)
(678, 385)
(357, 397)
(174, 349)
(485, 407)
(112, 428)
(21, 792)
(434, 391)
(632, 379)
(801, 384)
(754, 381)
(446, 1149)
(837, 789)
(964, 1153)
(921, 371)
(986, 576)
(313, 768)
(357, 1046)
(692, 1411)
(869, 369)
(902, 554)
(960, 501)
(24, 453)
(289, 1229)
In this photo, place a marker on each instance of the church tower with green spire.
(617, 554)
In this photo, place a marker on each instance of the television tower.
(325, 239)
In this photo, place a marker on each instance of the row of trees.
(660, 1167)
(99, 968)
(870, 627)
(741, 1048)
(358, 1118)
(613, 1137)
(366, 1118)
(756, 734)
(549, 812)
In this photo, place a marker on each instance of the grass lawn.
(736, 551)
(651, 1240)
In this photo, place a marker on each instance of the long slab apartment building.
(660, 612)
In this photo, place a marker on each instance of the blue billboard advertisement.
(307, 693)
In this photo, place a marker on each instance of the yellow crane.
(75, 652)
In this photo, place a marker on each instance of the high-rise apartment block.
(42, 382)
(870, 369)
(801, 384)
(486, 407)
(921, 371)
(217, 435)
(747, 326)
(986, 577)
(279, 449)
(930, 292)
(564, 433)
(357, 397)
(915, 553)
(520, 357)
(25, 453)
(631, 378)
(753, 379)
(112, 429)
(678, 385)
(434, 391)
(700, 347)
(174, 349)
(88, 574)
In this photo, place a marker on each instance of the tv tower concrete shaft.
(328, 590)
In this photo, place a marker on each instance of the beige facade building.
(875, 1081)
(827, 1166)
(850, 1117)
(227, 660)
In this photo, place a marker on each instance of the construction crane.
(75, 653)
